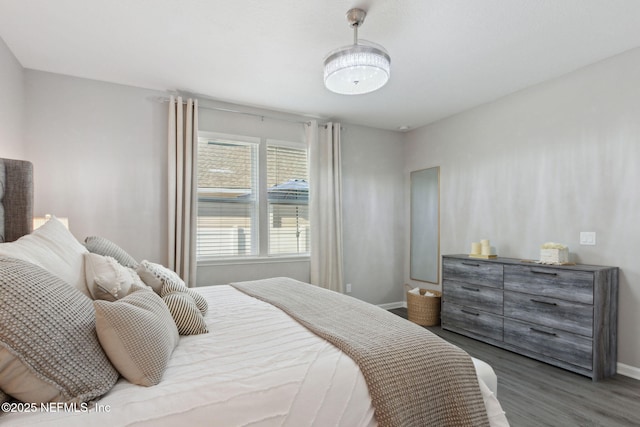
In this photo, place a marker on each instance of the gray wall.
(99, 154)
(11, 105)
(373, 213)
(542, 165)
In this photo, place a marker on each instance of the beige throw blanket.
(414, 377)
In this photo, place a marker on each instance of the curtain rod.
(262, 116)
(229, 110)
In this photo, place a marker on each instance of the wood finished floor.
(534, 394)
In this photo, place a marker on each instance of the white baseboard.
(390, 305)
(628, 371)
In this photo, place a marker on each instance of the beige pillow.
(138, 335)
(155, 275)
(106, 278)
(49, 350)
(184, 310)
(53, 248)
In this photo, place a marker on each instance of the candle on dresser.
(475, 248)
(486, 247)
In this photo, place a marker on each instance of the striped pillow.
(184, 310)
(201, 302)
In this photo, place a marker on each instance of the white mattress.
(256, 367)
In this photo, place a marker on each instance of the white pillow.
(53, 248)
(106, 278)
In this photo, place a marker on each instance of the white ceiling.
(446, 55)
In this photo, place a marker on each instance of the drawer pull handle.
(548, 273)
(470, 312)
(543, 332)
(471, 289)
(471, 264)
(543, 302)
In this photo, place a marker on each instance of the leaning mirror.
(425, 225)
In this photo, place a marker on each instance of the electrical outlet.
(348, 288)
(588, 238)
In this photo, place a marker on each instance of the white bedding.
(257, 367)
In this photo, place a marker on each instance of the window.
(288, 199)
(227, 197)
(253, 197)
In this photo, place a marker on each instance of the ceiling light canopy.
(358, 68)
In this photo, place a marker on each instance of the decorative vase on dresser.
(566, 316)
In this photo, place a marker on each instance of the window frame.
(261, 236)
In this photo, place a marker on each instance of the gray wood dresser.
(562, 315)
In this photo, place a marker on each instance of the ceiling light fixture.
(358, 68)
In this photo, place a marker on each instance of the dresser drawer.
(569, 285)
(473, 272)
(558, 314)
(472, 320)
(549, 342)
(475, 296)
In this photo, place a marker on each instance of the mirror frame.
(424, 264)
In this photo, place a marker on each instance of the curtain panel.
(325, 205)
(183, 187)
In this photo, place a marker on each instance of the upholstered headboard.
(16, 199)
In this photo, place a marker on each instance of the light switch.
(587, 237)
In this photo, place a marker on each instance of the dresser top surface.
(530, 263)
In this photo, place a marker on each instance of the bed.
(258, 353)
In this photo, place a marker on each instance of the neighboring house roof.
(224, 170)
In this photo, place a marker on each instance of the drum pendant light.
(358, 68)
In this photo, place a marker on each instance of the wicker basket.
(554, 256)
(421, 309)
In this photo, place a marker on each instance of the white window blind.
(253, 196)
(227, 198)
(288, 200)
